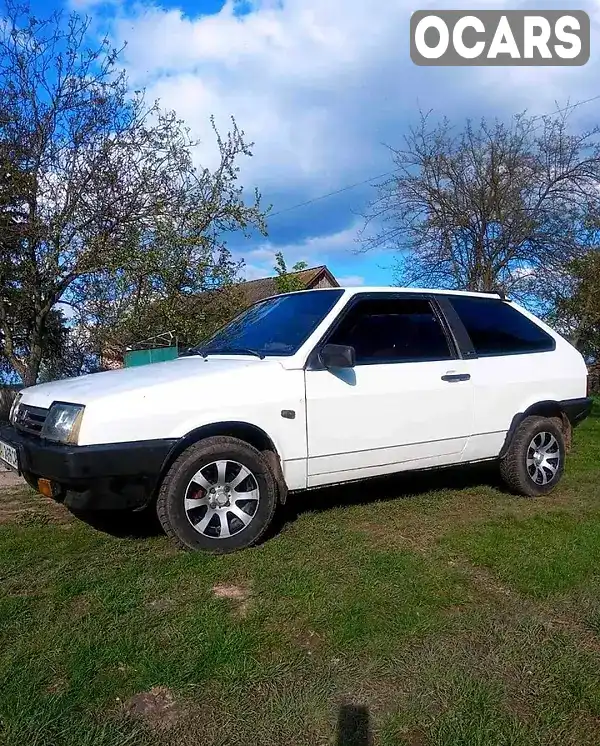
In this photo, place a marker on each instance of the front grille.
(31, 419)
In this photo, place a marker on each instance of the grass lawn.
(422, 609)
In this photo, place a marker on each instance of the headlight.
(63, 422)
(14, 407)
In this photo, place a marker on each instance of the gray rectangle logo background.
(490, 19)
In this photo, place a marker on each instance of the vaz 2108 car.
(303, 390)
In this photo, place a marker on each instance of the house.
(315, 277)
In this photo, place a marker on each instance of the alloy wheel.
(221, 499)
(543, 458)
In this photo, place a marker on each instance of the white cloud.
(315, 250)
(349, 281)
(317, 246)
(257, 272)
(262, 254)
(318, 85)
(291, 75)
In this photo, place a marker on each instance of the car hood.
(140, 379)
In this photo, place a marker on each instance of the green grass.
(426, 609)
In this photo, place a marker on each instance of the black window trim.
(463, 337)
(313, 361)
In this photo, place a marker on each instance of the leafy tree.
(96, 181)
(492, 206)
(577, 312)
(285, 281)
(186, 290)
(55, 340)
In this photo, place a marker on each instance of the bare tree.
(492, 206)
(95, 175)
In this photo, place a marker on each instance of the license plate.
(9, 455)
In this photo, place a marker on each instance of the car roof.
(393, 289)
(355, 290)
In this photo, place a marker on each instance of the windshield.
(276, 326)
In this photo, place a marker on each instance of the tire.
(194, 518)
(527, 468)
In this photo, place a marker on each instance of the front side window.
(497, 328)
(393, 331)
(276, 326)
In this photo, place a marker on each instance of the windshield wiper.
(231, 351)
(192, 351)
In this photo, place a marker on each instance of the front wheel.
(218, 496)
(535, 460)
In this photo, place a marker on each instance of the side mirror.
(338, 356)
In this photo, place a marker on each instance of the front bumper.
(108, 476)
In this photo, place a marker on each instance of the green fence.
(144, 357)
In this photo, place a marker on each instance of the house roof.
(255, 290)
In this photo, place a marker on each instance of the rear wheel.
(218, 496)
(534, 462)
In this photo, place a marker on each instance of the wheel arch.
(544, 408)
(246, 431)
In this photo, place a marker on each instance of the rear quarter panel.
(507, 385)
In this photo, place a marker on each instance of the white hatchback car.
(303, 390)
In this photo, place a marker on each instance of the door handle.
(452, 377)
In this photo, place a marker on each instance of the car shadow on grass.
(144, 524)
(123, 524)
(405, 485)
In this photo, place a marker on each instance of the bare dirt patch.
(239, 595)
(11, 479)
(20, 504)
(157, 708)
(10, 508)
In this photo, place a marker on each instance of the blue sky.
(321, 87)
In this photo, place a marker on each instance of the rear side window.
(390, 330)
(496, 328)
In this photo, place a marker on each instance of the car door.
(407, 403)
